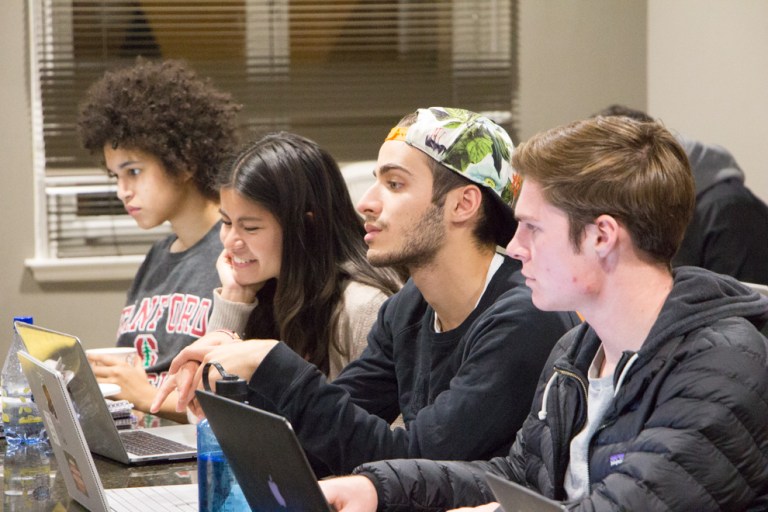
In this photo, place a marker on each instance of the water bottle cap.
(235, 389)
(229, 386)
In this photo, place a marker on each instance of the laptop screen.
(265, 456)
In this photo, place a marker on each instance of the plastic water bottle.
(22, 422)
(27, 477)
(218, 490)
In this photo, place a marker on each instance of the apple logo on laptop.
(276, 492)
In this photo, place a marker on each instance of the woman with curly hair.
(164, 133)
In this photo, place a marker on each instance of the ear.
(184, 176)
(603, 235)
(464, 202)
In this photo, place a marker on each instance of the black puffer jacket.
(688, 429)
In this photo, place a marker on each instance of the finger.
(185, 388)
(100, 371)
(101, 360)
(198, 350)
(194, 407)
(186, 382)
(165, 389)
(107, 360)
(179, 361)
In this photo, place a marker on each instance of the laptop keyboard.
(142, 443)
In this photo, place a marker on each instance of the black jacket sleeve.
(490, 393)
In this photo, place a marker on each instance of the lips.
(240, 262)
(371, 231)
(132, 210)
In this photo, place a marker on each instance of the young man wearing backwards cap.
(659, 400)
(457, 351)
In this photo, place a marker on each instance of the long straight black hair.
(323, 247)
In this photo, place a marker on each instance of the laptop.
(65, 353)
(513, 497)
(264, 455)
(75, 461)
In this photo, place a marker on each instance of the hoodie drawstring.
(543, 410)
(624, 372)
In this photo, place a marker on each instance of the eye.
(394, 185)
(251, 229)
(134, 172)
(111, 175)
(226, 222)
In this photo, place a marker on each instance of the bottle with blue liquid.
(22, 423)
(218, 489)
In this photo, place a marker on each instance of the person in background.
(456, 351)
(728, 233)
(163, 133)
(293, 265)
(659, 400)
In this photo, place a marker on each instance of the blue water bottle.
(22, 423)
(218, 489)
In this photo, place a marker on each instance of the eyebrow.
(243, 219)
(384, 169)
(123, 165)
(524, 218)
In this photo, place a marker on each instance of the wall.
(707, 75)
(577, 57)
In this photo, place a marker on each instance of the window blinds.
(341, 72)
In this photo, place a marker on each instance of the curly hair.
(163, 108)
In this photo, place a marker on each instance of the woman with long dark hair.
(294, 264)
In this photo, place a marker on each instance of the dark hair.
(624, 111)
(634, 171)
(165, 109)
(444, 180)
(323, 247)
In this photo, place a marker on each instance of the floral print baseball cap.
(473, 146)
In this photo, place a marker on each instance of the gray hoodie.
(710, 164)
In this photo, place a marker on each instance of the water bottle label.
(21, 420)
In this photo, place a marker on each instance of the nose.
(124, 192)
(369, 204)
(229, 237)
(515, 248)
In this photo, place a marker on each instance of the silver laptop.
(64, 352)
(75, 462)
(514, 497)
(264, 455)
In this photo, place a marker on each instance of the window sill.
(108, 268)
